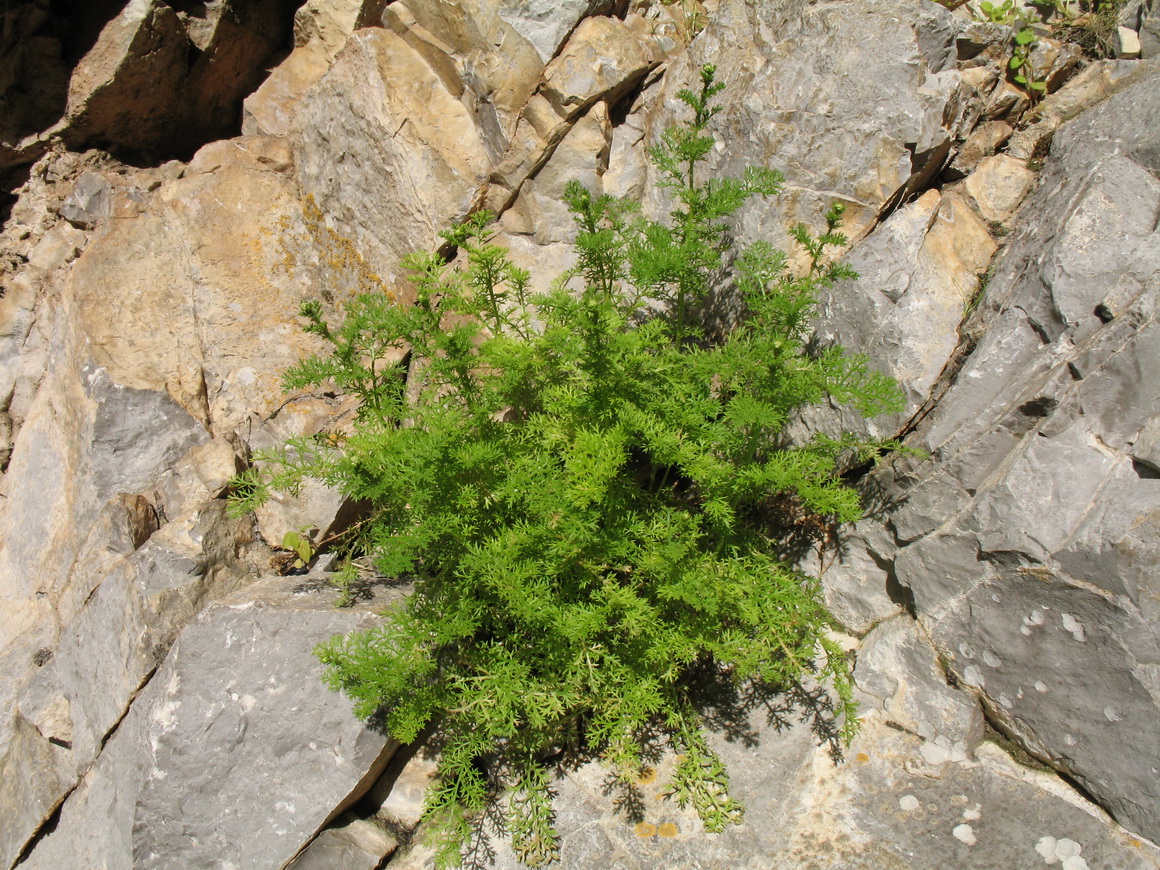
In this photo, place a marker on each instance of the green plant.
(584, 485)
(300, 547)
(1002, 13)
(1021, 63)
(693, 18)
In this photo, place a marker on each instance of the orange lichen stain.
(646, 775)
(861, 757)
(668, 829)
(645, 830)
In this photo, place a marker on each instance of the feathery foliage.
(580, 482)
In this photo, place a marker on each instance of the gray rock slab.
(358, 845)
(883, 808)
(1058, 664)
(1028, 538)
(235, 754)
(899, 669)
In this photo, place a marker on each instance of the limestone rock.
(387, 152)
(329, 23)
(90, 201)
(236, 717)
(919, 271)
(357, 845)
(603, 59)
(998, 185)
(883, 805)
(270, 109)
(900, 669)
(1029, 535)
(147, 295)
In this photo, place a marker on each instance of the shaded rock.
(236, 717)
(126, 85)
(855, 581)
(399, 794)
(33, 80)
(160, 81)
(357, 845)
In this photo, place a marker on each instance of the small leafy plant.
(1021, 63)
(584, 485)
(300, 549)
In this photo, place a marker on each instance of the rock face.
(161, 708)
(1028, 539)
(211, 736)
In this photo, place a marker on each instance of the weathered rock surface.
(794, 68)
(386, 150)
(894, 801)
(235, 754)
(161, 81)
(148, 313)
(1029, 537)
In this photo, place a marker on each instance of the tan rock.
(1127, 43)
(998, 185)
(270, 108)
(603, 59)
(502, 66)
(581, 156)
(124, 89)
(388, 153)
(149, 290)
(329, 23)
(983, 142)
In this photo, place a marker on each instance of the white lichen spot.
(1040, 686)
(1046, 848)
(967, 650)
(1070, 623)
(1111, 715)
(992, 660)
(1023, 629)
(248, 702)
(934, 754)
(246, 375)
(1035, 617)
(1069, 740)
(908, 802)
(964, 834)
(1063, 850)
(973, 814)
(972, 676)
